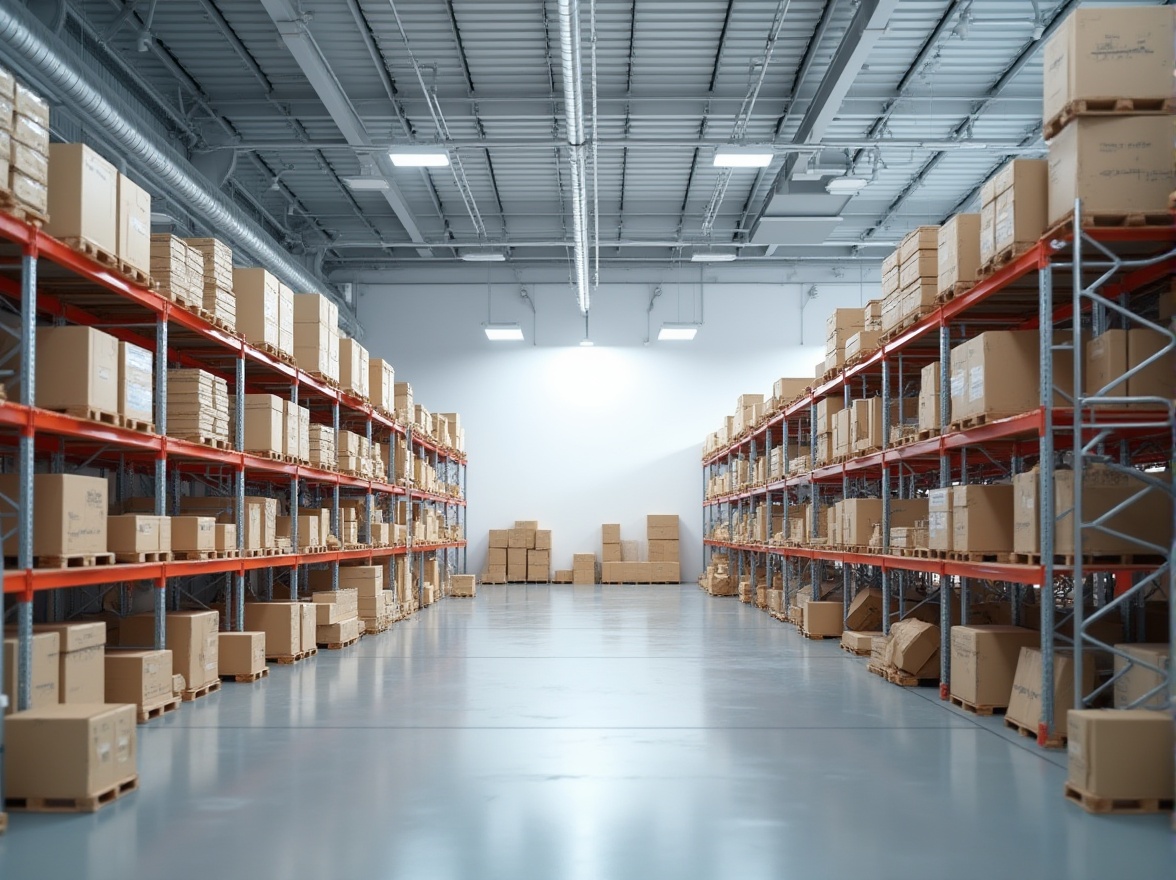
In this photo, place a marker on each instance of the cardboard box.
(333, 606)
(823, 618)
(225, 537)
(69, 751)
(136, 382)
(337, 633)
(133, 240)
(610, 533)
(46, 670)
(940, 528)
(77, 368)
(1136, 686)
(1114, 164)
(193, 534)
(543, 539)
(191, 636)
(83, 200)
(865, 611)
(241, 653)
(861, 343)
(354, 366)
(856, 520)
(662, 527)
(1121, 753)
(1110, 354)
(1121, 51)
(914, 643)
(958, 251)
(285, 319)
(282, 624)
(140, 677)
(258, 306)
(996, 373)
(984, 662)
(987, 231)
(1025, 705)
(69, 516)
(787, 390)
(366, 580)
(919, 238)
(929, 397)
(266, 424)
(922, 265)
(466, 585)
(136, 533)
(982, 518)
(664, 551)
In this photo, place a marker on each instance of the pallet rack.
(1103, 275)
(43, 277)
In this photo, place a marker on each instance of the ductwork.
(569, 52)
(29, 41)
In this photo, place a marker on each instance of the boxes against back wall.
(83, 201)
(134, 225)
(256, 291)
(69, 517)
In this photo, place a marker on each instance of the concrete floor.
(586, 732)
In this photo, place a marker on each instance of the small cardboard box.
(136, 382)
(610, 533)
(135, 533)
(46, 670)
(140, 677)
(858, 642)
(69, 750)
(929, 397)
(914, 644)
(83, 200)
(1025, 706)
(1121, 753)
(982, 518)
(69, 516)
(984, 662)
(191, 635)
(241, 653)
(193, 534)
(959, 251)
(466, 585)
(865, 611)
(1135, 682)
(282, 624)
(823, 618)
(337, 633)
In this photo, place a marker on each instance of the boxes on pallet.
(136, 382)
(256, 291)
(225, 537)
(996, 373)
(539, 565)
(140, 677)
(45, 689)
(241, 653)
(1025, 706)
(354, 367)
(1123, 754)
(292, 420)
(1112, 353)
(1124, 51)
(584, 568)
(382, 384)
(69, 751)
(914, 648)
(1018, 203)
(193, 534)
(138, 534)
(323, 515)
(464, 585)
(282, 624)
(982, 519)
(133, 239)
(958, 251)
(1138, 686)
(940, 528)
(191, 636)
(80, 649)
(861, 343)
(69, 517)
(197, 406)
(177, 269)
(984, 662)
(787, 390)
(823, 618)
(265, 424)
(285, 320)
(77, 368)
(217, 297)
(856, 519)
(842, 433)
(316, 334)
(83, 201)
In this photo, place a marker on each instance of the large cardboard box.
(1116, 52)
(136, 382)
(1121, 753)
(914, 643)
(46, 670)
(1135, 682)
(337, 633)
(381, 384)
(865, 611)
(984, 662)
(662, 527)
(191, 636)
(1114, 164)
(77, 368)
(285, 319)
(266, 424)
(1025, 707)
(241, 653)
(610, 533)
(69, 750)
(982, 518)
(258, 306)
(69, 514)
(940, 528)
(83, 200)
(193, 534)
(920, 238)
(958, 251)
(134, 224)
(137, 533)
(79, 660)
(140, 677)
(823, 618)
(929, 397)
(282, 624)
(354, 367)
(787, 390)
(856, 520)
(1110, 354)
(366, 580)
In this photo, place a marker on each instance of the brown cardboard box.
(843, 433)
(134, 224)
(1135, 682)
(940, 528)
(958, 251)
(1124, 51)
(823, 618)
(225, 536)
(856, 520)
(662, 527)
(610, 533)
(787, 390)
(1110, 354)
(83, 201)
(664, 551)
(861, 343)
(354, 366)
(1158, 377)
(337, 633)
(919, 238)
(1121, 753)
(191, 635)
(309, 618)
(135, 533)
(497, 556)
(984, 662)
(193, 534)
(77, 368)
(929, 397)
(466, 585)
(665, 572)
(865, 611)
(382, 384)
(1115, 164)
(1025, 698)
(69, 516)
(69, 750)
(913, 644)
(46, 670)
(919, 266)
(858, 642)
(258, 304)
(366, 580)
(140, 677)
(982, 518)
(241, 653)
(136, 382)
(987, 230)
(610, 552)
(543, 539)
(519, 539)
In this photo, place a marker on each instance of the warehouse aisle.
(587, 732)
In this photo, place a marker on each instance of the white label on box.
(957, 384)
(976, 383)
(138, 225)
(104, 374)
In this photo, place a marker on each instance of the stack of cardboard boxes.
(218, 300)
(260, 306)
(662, 565)
(382, 386)
(289, 627)
(192, 638)
(918, 272)
(337, 622)
(197, 406)
(321, 441)
(867, 339)
(583, 568)
(840, 326)
(316, 335)
(24, 146)
(178, 270)
(496, 557)
(354, 368)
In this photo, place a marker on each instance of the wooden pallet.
(925, 553)
(336, 646)
(1107, 107)
(205, 440)
(149, 713)
(87, 248)
(325, 379)
(93, 415)
(216, 321)
(275, 352)
(138, 425)
(976, 556)
(1111, 220)
(261, 551)
(1094, 804)
(87, 804)
(949, 293)
(287, 659)
(976, 708)
(195, 555)
(131, 558)
(1003, 258)
(865, 652)
(248, 677)
(73, 560)
(137, 276)
(322, 548)
(14, 207)
(190, 694)
(1057, 741)
(927, 434)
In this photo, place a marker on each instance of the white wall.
(575, 436)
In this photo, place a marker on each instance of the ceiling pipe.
(28, 41)
(569, 52)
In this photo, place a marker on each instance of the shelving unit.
(46, 279)
(1104, 275)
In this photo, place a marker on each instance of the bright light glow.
(504, 332)
(712, 256)
(483, 257)
(366, 184)
(419, 157)
(743, 157)
(586, 343)
(845, 186)
(677, 332)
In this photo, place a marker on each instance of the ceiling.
(283, 99)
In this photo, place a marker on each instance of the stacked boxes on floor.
(376, 605)
(24, 146)
(289, 627)
(584, 568)
(192, 638)
(497, 554)
(337, 612)
(662, 566)
(178, 270)
(218, 299)
(197, 406)
(142, 677)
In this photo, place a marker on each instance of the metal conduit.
(569, 51)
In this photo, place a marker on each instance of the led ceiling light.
(732, 156)
(845, 186)
(504, 332)
(419, 157)
(711, 256)
(366, 184)
(677, 332)
(483, 256)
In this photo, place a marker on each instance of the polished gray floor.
(586, 732)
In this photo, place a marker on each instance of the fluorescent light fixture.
(366, 184)
(845, 186)
(586, 343)
(419, 157)
(712, 256)
(504, 332)
(732, 156)
(483, 256)
(677, 332)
